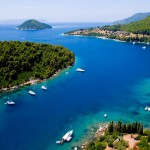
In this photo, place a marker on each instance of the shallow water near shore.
(116, 82)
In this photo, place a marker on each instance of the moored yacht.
(146, 108)
(67, 73)
(144, 47)
(32, 93)
(10, 102)
(43, 87)
(105, 115)
(80, 70)
(67, 137)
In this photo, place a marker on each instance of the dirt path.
(132, 142)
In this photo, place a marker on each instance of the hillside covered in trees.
(133, 32)
(20, 61)
(33, 25)
(139, 27)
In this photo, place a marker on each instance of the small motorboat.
(105, 115)
(59, 142)
(133, 42)
(67, 137)
(146, 108)
(67, 73)
(80, 70)
(32, 93)
(144, 47)
(10, 102)
(43, 87)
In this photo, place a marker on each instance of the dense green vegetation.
(113, 28)
(33, 25)
(134, 18)
(113, 137)
(19, 61)
(126, 128)
(140, 27)
(144, 143)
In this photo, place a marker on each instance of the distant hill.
(33, 25)
(139, 27)
(134, 18)
(137, 31)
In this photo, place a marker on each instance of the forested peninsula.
(23, 61)
(133, 32)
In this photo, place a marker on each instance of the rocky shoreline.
(93, 132)
(30, 82)
(106, 34)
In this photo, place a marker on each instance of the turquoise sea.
(116, 82)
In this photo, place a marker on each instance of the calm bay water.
(116, 82)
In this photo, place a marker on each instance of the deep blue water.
(116, 82)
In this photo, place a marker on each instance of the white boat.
(10, 102)
(67, 136)
(133, 42)
(67, 73)
(80, 70)
(59, 142)
(32, 93)
(144, 47)
(75, 148)
(43, 87)
(105, 115)
(146, 108)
